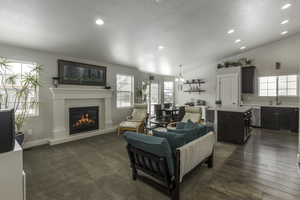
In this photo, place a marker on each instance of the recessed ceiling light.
(99, 22)
(230, 31)
(284, 22)
(284, 32)
(243, 47)
(286, 6)
(160, 47)
(237, 41)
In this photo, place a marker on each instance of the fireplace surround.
(64, 98)
(83, 119)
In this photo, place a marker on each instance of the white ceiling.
(192, 31)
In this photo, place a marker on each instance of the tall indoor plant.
(19, 94)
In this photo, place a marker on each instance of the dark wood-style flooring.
(98, 169)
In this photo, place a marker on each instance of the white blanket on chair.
(195, 152)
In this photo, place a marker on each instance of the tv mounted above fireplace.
(81, 74)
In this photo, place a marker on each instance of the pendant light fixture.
(179, 79)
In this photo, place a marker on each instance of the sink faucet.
(277, 99)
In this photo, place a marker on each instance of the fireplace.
(83, 119)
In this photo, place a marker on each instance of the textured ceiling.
(192, 31)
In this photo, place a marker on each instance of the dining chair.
(167, 105)
(180, 114)
(158, 111)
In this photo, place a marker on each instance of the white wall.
(42, 125)
(206, 72)
(286, 51)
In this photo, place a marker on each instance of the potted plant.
(22, 98)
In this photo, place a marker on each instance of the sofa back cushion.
(202, 130)
(175, 140)
(188, 134)
(191, 131)
(180, 125)
(189, 124)
(155, 145)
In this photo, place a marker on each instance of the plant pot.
(20, 138)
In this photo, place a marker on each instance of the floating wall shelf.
(194, 85)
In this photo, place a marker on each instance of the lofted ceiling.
(191, 31)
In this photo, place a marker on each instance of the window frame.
(131, 92)
(36, 111)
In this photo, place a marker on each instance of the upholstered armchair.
(136, 121)
(191, 113)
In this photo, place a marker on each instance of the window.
(13, 77)
(267, 86)
(168, 92)
(154, 93)
(287, 85)
(154, 96)
(125, 85)
(284, 85)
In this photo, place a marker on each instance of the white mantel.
(80, 93)
(60, 96)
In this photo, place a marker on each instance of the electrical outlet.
(29, 131)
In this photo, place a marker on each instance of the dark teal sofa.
(158, 155)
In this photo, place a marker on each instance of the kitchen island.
(232, 123)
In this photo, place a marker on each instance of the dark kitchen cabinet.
(234, 127)
(285, 118)
(248, 78)
(270, 118)
(294, 126)
(277, 118)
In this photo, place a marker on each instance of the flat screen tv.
(75, 73)
(7, 130)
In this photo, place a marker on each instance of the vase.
(20, 138)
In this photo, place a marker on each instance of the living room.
(87, 85)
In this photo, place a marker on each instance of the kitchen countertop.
(267, 105)
(231, 108)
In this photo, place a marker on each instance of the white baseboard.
(35, 143)
(49, 141)
(82, 136)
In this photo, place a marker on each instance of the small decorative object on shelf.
(220, 66)
(55, 81)
(243, 62)
(218, 103)
(201, 102)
